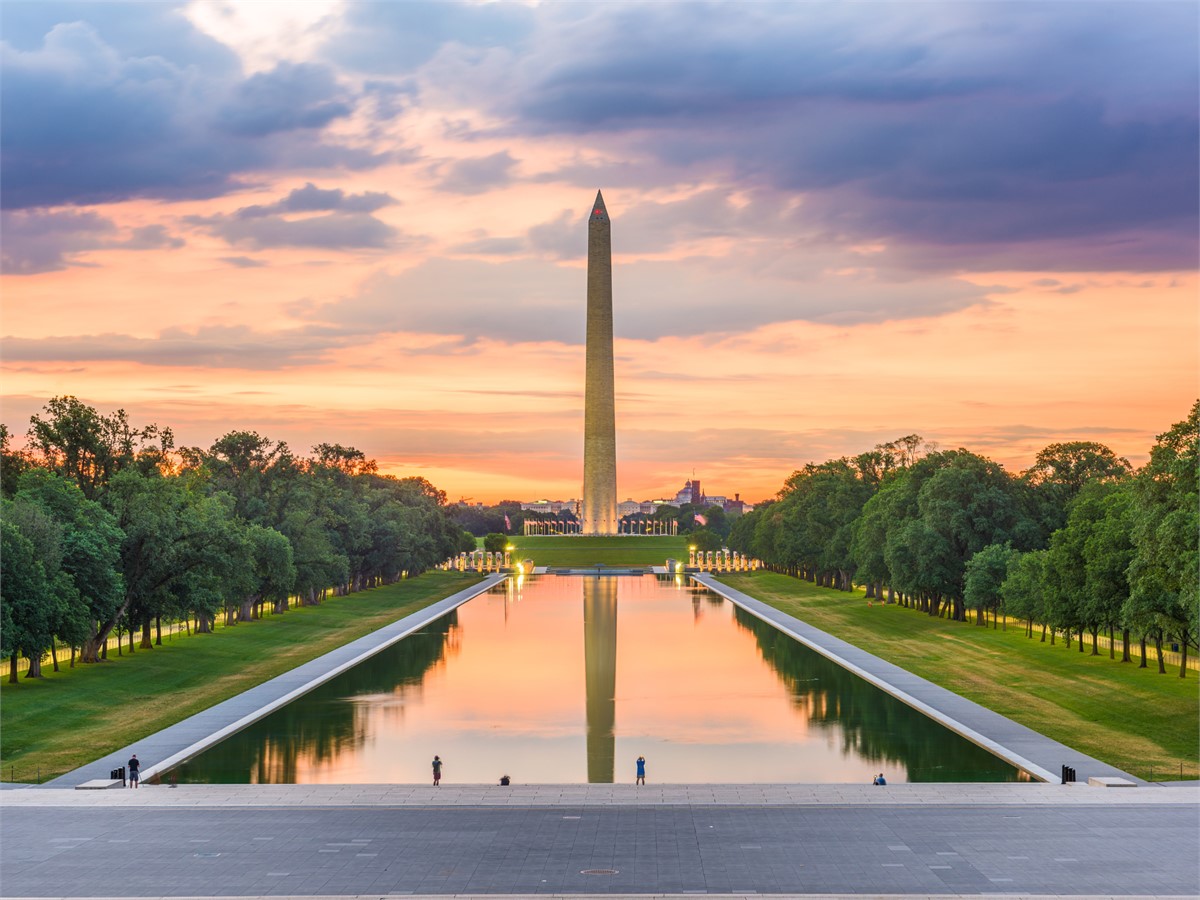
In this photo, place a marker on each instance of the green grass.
(581, 550)
(69, 718)
(1135, 719)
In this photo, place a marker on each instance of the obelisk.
(599, 511)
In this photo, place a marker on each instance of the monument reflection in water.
(544, 681)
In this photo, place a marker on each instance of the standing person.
(133, 765)
(437, 770)
(641, 770)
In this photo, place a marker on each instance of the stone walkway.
(1035, 753)
(741, 840)
(179, 742)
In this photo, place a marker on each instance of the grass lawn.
(74, 716)
(1142, 722)
(587, 550)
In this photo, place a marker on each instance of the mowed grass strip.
(1135, 719)
(72, 717)
(588, 550)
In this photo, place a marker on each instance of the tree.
(949, 505)
(1107, 553)
(1163, 579)
(1060, 471)
(1022, 589)
(495, 542)
(26, 598)
(77, 442)
(177, 546)
(90, 551)
(703, 540)
(12, 463)
(985, 573)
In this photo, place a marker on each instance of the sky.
(833, 224)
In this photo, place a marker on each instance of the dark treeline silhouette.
(108, 527)
(1077, 545)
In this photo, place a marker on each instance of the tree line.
(110, 527)
(1078, 544)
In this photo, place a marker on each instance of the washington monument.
(599, 513)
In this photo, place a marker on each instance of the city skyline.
(360, 223)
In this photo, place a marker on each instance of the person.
(641, 770)
(879, 779)
(133, 765)
(437, 770)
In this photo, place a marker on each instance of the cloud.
(311, 198)
(37, 241)
(346, 222)
(397, 38)
(218, 347)
(479, 175)
(87, 121)
(243, 262)
(531, 300)
(976, 133)
(291, 97)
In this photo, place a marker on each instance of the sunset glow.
(832, 225)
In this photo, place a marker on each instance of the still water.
(561, 679)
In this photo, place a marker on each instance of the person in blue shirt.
(641, 770)
(879, 779)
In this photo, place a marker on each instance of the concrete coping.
(100, 784)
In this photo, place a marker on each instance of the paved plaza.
(378, 840)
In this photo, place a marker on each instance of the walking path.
(1035, 753)
(173, 745)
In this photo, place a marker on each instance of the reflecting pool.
(560, 679)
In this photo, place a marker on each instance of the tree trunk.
(1081, 639)
(54, 653)
(35, 666)
(1053, 632)
(72, 656)
(1095, 642)
(12, 668)
(870, 595)
(1125, 645)
(889, 599)
(1143, 665)
(281, 604)
(1183, 645)
(203, 623)
(1162, 663)
(158, 631)
(1112, 643)
(147, 641)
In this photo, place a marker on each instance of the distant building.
(690, 493)
(736, 506)
(550, 506)
(629, 508)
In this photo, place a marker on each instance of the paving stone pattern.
(1081, 850)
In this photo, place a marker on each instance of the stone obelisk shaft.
(599, 512)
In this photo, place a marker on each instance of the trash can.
(116, 773)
